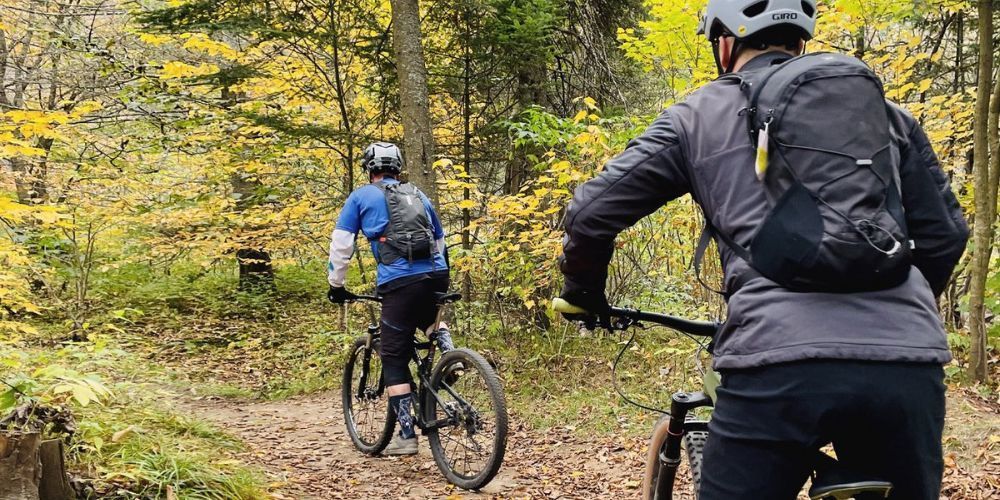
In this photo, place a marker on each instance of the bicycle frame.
(424, 367)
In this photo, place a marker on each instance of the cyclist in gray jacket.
(801, 369)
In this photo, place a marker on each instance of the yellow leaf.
(466, 204)
(176, 69)
(590, 102)
(154, 40)
(83, 394)
(202, 43)
(580, 116)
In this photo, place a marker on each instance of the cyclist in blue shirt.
(408, 286)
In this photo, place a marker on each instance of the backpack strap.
(699, 254)
(752, 83)
(707, 233)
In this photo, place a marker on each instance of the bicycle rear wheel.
(469, 449)
(366, 404)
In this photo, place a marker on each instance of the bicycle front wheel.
(470, 444)
(366, 404)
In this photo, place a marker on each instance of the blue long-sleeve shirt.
(366, 211)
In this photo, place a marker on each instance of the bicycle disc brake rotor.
(368, 395)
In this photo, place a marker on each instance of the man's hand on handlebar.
(594, 303)
(340, 295)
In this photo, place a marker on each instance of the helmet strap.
(718, 59)
(732, 55)
(717, 48)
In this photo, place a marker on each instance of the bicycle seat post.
(443, 300)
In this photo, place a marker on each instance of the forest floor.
(301, 445)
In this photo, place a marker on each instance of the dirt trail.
(302, 442)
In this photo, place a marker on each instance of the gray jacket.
(701, 147)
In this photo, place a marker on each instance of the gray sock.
(444, 340)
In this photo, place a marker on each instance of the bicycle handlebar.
(372, 298)
(699, 328)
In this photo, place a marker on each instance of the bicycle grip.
(560, 305)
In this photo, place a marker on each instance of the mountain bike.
(683, 427)
(458, 404)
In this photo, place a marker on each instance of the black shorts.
(405, 310)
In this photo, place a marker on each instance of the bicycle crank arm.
(437, 424)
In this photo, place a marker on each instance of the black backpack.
(830, 170)
(409, 234)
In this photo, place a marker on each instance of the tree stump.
(20, 465)
(55, 483)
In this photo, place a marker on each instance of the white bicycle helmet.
(382, 157)
(744, 18)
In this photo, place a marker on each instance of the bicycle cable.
(621, 353)
(614, 377)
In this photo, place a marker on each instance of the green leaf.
(8, 400)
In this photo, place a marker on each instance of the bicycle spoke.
(365, 412)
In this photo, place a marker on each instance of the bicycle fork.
(681, 403)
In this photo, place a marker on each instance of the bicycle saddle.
(834, 482)
(447, 298)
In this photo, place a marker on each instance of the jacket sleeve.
(650, 172)
(934, 218)
(342, 242)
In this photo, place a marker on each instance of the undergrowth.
(189, 332)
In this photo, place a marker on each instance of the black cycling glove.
(594, 301)
(339, 295)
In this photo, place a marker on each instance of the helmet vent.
(807, 9)
(756, 9)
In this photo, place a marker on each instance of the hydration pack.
(830, 171)
(409, 234)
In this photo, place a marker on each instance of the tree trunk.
(55, 483)
(418, 135)
(256, 271)
(982, 236)
(959, 45)
(30, 177)
(467, 144)
(20, 466)
(531, 91)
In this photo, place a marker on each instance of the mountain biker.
(801, 369)
(407, 284)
